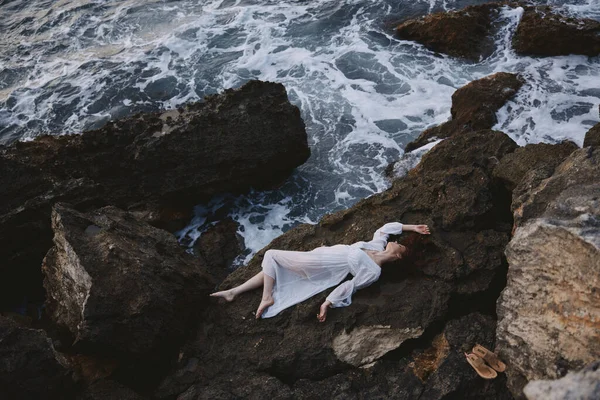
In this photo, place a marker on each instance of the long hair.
(412, 259)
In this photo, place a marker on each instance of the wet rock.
(543, 32)
(218, 247)
(474, 107)
(592, 137)
(514, 166)
(465, 33)
(580, 385)
(457, 270)
(158, 165)
(30, 368)
(122, 288)
(549, 311)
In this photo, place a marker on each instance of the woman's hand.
(322, 315)
(422, 229)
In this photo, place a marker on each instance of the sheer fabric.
(300, 275)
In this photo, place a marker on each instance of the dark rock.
(514, 166)
(465, 33)
(454, 377)
(474, 107)
(218, 247)
(106, 389)
(458, 270)
(543, 32)
(158, 165)
(549, 311)
(30, 368)
(592, 137)
(122, 288)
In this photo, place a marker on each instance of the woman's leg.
(267, 298)
(253, 283)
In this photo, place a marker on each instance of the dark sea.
(72, 65)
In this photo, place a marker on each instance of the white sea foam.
(362, 93)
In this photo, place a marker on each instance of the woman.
(290, 277)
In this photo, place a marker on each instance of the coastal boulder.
(592, 137)
(458, 269)
(474, 107)
(549, 312)
(464, 33)
(543, 32)
(157, 165)
(121, 288)
(30, 368)
(514, 166)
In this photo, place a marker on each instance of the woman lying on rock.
(290, 277)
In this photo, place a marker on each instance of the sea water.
(71, 65)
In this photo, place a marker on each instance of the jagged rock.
(474, 107)
(514, 166)
(543, 32)
(30, 368)
(592, 137)
(464, 33)
(580, 385)
(218, 247)
(459, 268)
(122, 288)
(549, 311)
(157, 164)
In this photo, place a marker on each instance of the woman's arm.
(422, 229)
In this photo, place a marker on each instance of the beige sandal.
(480, 367)
(489, 357)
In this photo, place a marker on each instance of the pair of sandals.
(481, 359)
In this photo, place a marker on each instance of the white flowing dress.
(299, 275)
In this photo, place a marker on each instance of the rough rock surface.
(30, 368)
(158, 164)
(592, 137)
(464, 33)
(580, 385)
(218, 247)
(459, 269)
(514, 166)
(474, 107)
(549, 312)
(121, 287)
(543, 32)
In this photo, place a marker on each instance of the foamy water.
(67, 66)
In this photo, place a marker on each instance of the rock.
(514, 166)
(106, 389)
(465, 33)
(122, 288)
(580, 385)
(30, 368)
(458, 269)
(543, 32)
(218, 247)
(158, 165)
(474, 107)
(549, 311)
(592, 137)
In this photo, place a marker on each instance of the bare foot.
(225, 294)
(322, 315)
(263, 306)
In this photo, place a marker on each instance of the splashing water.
(71, 65)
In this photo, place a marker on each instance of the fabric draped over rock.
(300, 275)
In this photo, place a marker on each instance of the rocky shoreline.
(513, 262)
